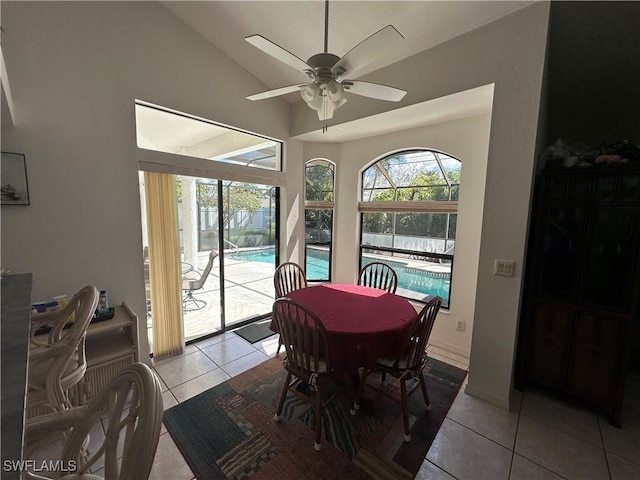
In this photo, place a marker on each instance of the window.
(408, 213)
(318, 219)
(224, 184)
(164, 130)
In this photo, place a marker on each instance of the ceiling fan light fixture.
(331, 75)
(335, 91)
(310, 93)
(338, 103)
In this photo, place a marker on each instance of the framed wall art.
(14, 189)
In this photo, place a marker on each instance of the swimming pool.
(318, 264)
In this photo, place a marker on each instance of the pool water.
(318, 264)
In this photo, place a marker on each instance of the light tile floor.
(542, 438)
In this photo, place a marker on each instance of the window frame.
(320, 205)
(447, 207)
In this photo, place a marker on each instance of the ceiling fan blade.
(374, 90)
(277, 52)
(367, 51)
(275, 93)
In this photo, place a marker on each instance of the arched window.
(408, 212)
(318, 218)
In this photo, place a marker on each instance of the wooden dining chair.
(307, 361)
(378, 275)
(409, 364)
(288, 277)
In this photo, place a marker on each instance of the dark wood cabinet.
(582, 282)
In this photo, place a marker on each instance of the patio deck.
(249, 292)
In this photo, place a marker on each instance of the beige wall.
(75, 70)
(466, 139)
(510, 54)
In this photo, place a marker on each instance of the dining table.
(362, 323)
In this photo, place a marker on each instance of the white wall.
(508, 53)
(75, 70)
(466, 139)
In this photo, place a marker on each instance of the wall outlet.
(460, 325)
(505, 268)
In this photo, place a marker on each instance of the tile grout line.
(604, 448)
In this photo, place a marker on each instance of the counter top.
(16, 319)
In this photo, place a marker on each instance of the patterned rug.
(228, 432)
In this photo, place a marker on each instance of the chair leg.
(405, 408)
(360, 391)
(279, 345)
(318, 408)
(423, 386)
(189, 298)
(283, 395)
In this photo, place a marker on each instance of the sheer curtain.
(164, 264)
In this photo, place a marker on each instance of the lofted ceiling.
(298, 26)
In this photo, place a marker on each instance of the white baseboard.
(487, 397)
(450, 348)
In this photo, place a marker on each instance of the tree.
(417, 184)
(319, 182)
(236, 197)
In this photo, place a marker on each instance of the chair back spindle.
(288, 277)
(415, 343)
(378, 275)
(303, 336)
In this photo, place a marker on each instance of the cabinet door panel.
(610, 250)
(98, 376)
(593, 372)
(600, 329)
(630, 188)
(549, 345)
(595, 359)
(563, 229)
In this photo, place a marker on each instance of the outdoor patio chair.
(409, 365)
(130, 408)
(378, 275)
(189, 285)
(57, 359)
(288, 277)
(307, 361)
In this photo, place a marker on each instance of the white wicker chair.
(130, 408)
(57, 360)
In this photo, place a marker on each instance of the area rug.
(228, 432)
(256, 332)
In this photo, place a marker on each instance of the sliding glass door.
(237, 221)
(249, 222)
(227, 183)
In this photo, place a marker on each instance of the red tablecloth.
(362, 323)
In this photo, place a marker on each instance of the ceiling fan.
(331, 75)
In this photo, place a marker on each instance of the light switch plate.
(505, 268)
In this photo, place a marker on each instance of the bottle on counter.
(103, 303)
